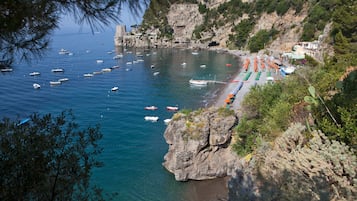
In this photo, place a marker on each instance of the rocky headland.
(199, 144)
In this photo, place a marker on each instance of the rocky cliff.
(297, 166)
(199, 144)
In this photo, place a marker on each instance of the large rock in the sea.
(199, 144)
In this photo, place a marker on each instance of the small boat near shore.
(151, 118)
(167, 121)
(151, 108)
(198, 82)
(106, 70)
(34, 73)
(172, 108)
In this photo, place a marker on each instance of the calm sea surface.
(133, 148)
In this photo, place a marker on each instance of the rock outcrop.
(199, 144)
(298, 166)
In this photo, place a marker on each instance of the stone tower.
(120, 32)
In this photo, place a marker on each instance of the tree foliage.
(26, 26)
(48, 158)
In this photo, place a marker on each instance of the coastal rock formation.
(199, 144)
(298, 166)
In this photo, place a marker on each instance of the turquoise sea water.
(133, 148)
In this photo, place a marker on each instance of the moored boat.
(198, 82)
(34, 73)
(151, 108)
(167, 121)
(172, 108)
(99, 61)
(151, 118)
(88, 75)
(36, 86)
(63, 79)
(106, 70)
(115, 89)
(55, 82)
(57, 70)
(4, 70)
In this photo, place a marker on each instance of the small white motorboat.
(97, 72)
(36, 86)
(63, 51)
(194, 53)
(151, 118)
(6, 70)
(118, 56)
(115, 89)
(115, 67)
(55, 83)
(99, 61)
(156, 73)
(203, 66)
(57, 70)
(172, 108)
(152, 66)
(198, 82)
(183, 64)
(167, 121)
(88, 75)
(34, 73)
(129, 63)
(106, 70)
(151, 108)
(63, 79)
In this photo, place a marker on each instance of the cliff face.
(199, 145)
(298, 167)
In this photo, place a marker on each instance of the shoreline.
(238, 77)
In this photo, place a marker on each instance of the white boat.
(194, 53)
(203, 65)
(99, 61)
(36, 86)
(115, 89)
(34, 73)
(183, 64)
(106, 70)
(4, 70)
(63, 79)
(156, 73)
(167, 121)
(115, 67)
(63, 51)
(57, 70)
(88, 75)
(172, 108)
(151, 108)
(118, 56)
(55, 82)
(97, 72)
(198, 82)
(129, 63)
(152, 66)
(151, 118)
(288, 70)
